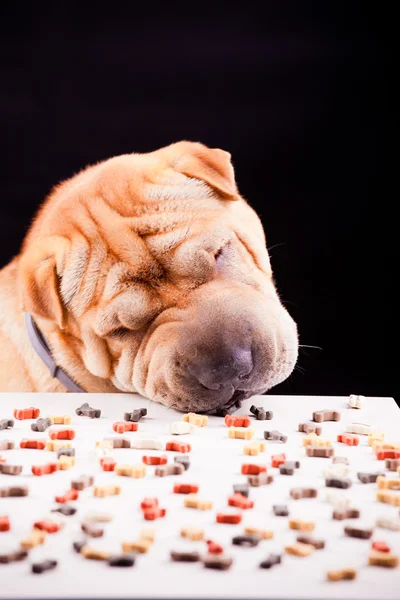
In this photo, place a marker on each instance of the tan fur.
(130, 243)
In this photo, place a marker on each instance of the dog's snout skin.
(220, 367)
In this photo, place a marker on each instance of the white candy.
(339, 470)
(181, 427)
(147, 444)
(339, 501)
(393, 524)
(356, 401)
(359, 428)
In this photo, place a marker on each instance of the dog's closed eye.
(118, 333)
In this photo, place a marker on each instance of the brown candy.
(83, 482)
(307, 539)
(91, 530)
(320, 452)
(319, 416)
(261, 479)
(185, 556)
(13, 556)
(172, 469)
(310, 428)
(15, 491)
(7, 469)
(364, 534)
(215, 561)
(337, 482)
(347, 513)
(297, 493)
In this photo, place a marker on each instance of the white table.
(215, 466)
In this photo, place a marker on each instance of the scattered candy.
(26, 413)
(194, 419)
(87, 411)
(261, 414)
(356, 401)
(135, 415)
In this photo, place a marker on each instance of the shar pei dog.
(147, 273)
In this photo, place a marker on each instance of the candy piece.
(240, 433)
(32, 444)
(186, 488)
(36, 537)
(231, 519)
(70, 495)
(264, 534)
(392, 464)
(150, 514)
(261, 414)
(118, 443)
(56, 445)
(192, 533)
(375, 436)
(173, 469)
(135, 415)
(338, 482)
(147, 444)
(356, 401)
(181, 428)
(341, 575)
(299, 549)
(7, 469)
(336, 470)
(357, 532)
(5, 523)
(320, 452)
(275, 436)
(249, 541)
(77, 546)
(280, 510)
(87, 411)
(348, 438)
(6, 424)
(98, 517)
(148, 534)
(41, 424)
(307, 539)
(177, 447)
(254, 449)
(237, 421)
(252, 469)
(65, 510)
(94, 554)
(106, 490)
(380, 546)
(66, 462)
(301, 525)
(385, 483)
(6, 445)
(277, 460)
(140, 546)
(188, 556)
(388, 497)
(300, 492)
(241, 488)
(182, 460)
(155, 460)
(310, 428)
(223, 411)
(122, 560)
(378, 445)
(45, 565)
(64, 451)
(346, 513)
(149, 503)
(15, 491)
(261, 479)
(91, 530)
(192, 501)
(383, 559)
(385, 454)
(48, 526)
(82, 482)
(59, 419)
(368, 477)
(198, 420)
(339, 501)
(240, 501)
(342, 460)
(222, 563)
(318, 442)
(135, 471)
(13, 556)
(289, 467)
(359, 428)
(270, 561)
(391, 524)
(124, 426)
(107, 463)
(26, 413)
(319, 416)
(214, 548)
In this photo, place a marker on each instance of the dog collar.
(42, 349)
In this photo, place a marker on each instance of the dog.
(148, 273)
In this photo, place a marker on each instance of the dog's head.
(153, 271)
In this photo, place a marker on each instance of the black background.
(297, 93)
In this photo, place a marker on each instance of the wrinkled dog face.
(156, 272)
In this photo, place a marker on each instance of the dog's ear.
(38, 278)
(211, 165)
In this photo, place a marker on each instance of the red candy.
(150, 514)
(178, 447)
(232, 519)
(49, 526)
(384, 454)
(149, 503)
(45, 469)
(253, 469)
(348, 439)
(26, 413)
(277, 460)
(123, 426)
(380, 546)
(239, 421)
(155, 460)
(240, 501)
(62, 434)
(5, 523)
(214, 548)
(33, 444)
(186, 488)
(72, 494)
(107, 463)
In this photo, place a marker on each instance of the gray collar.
(42, 349)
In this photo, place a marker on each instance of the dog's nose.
(222, 368)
